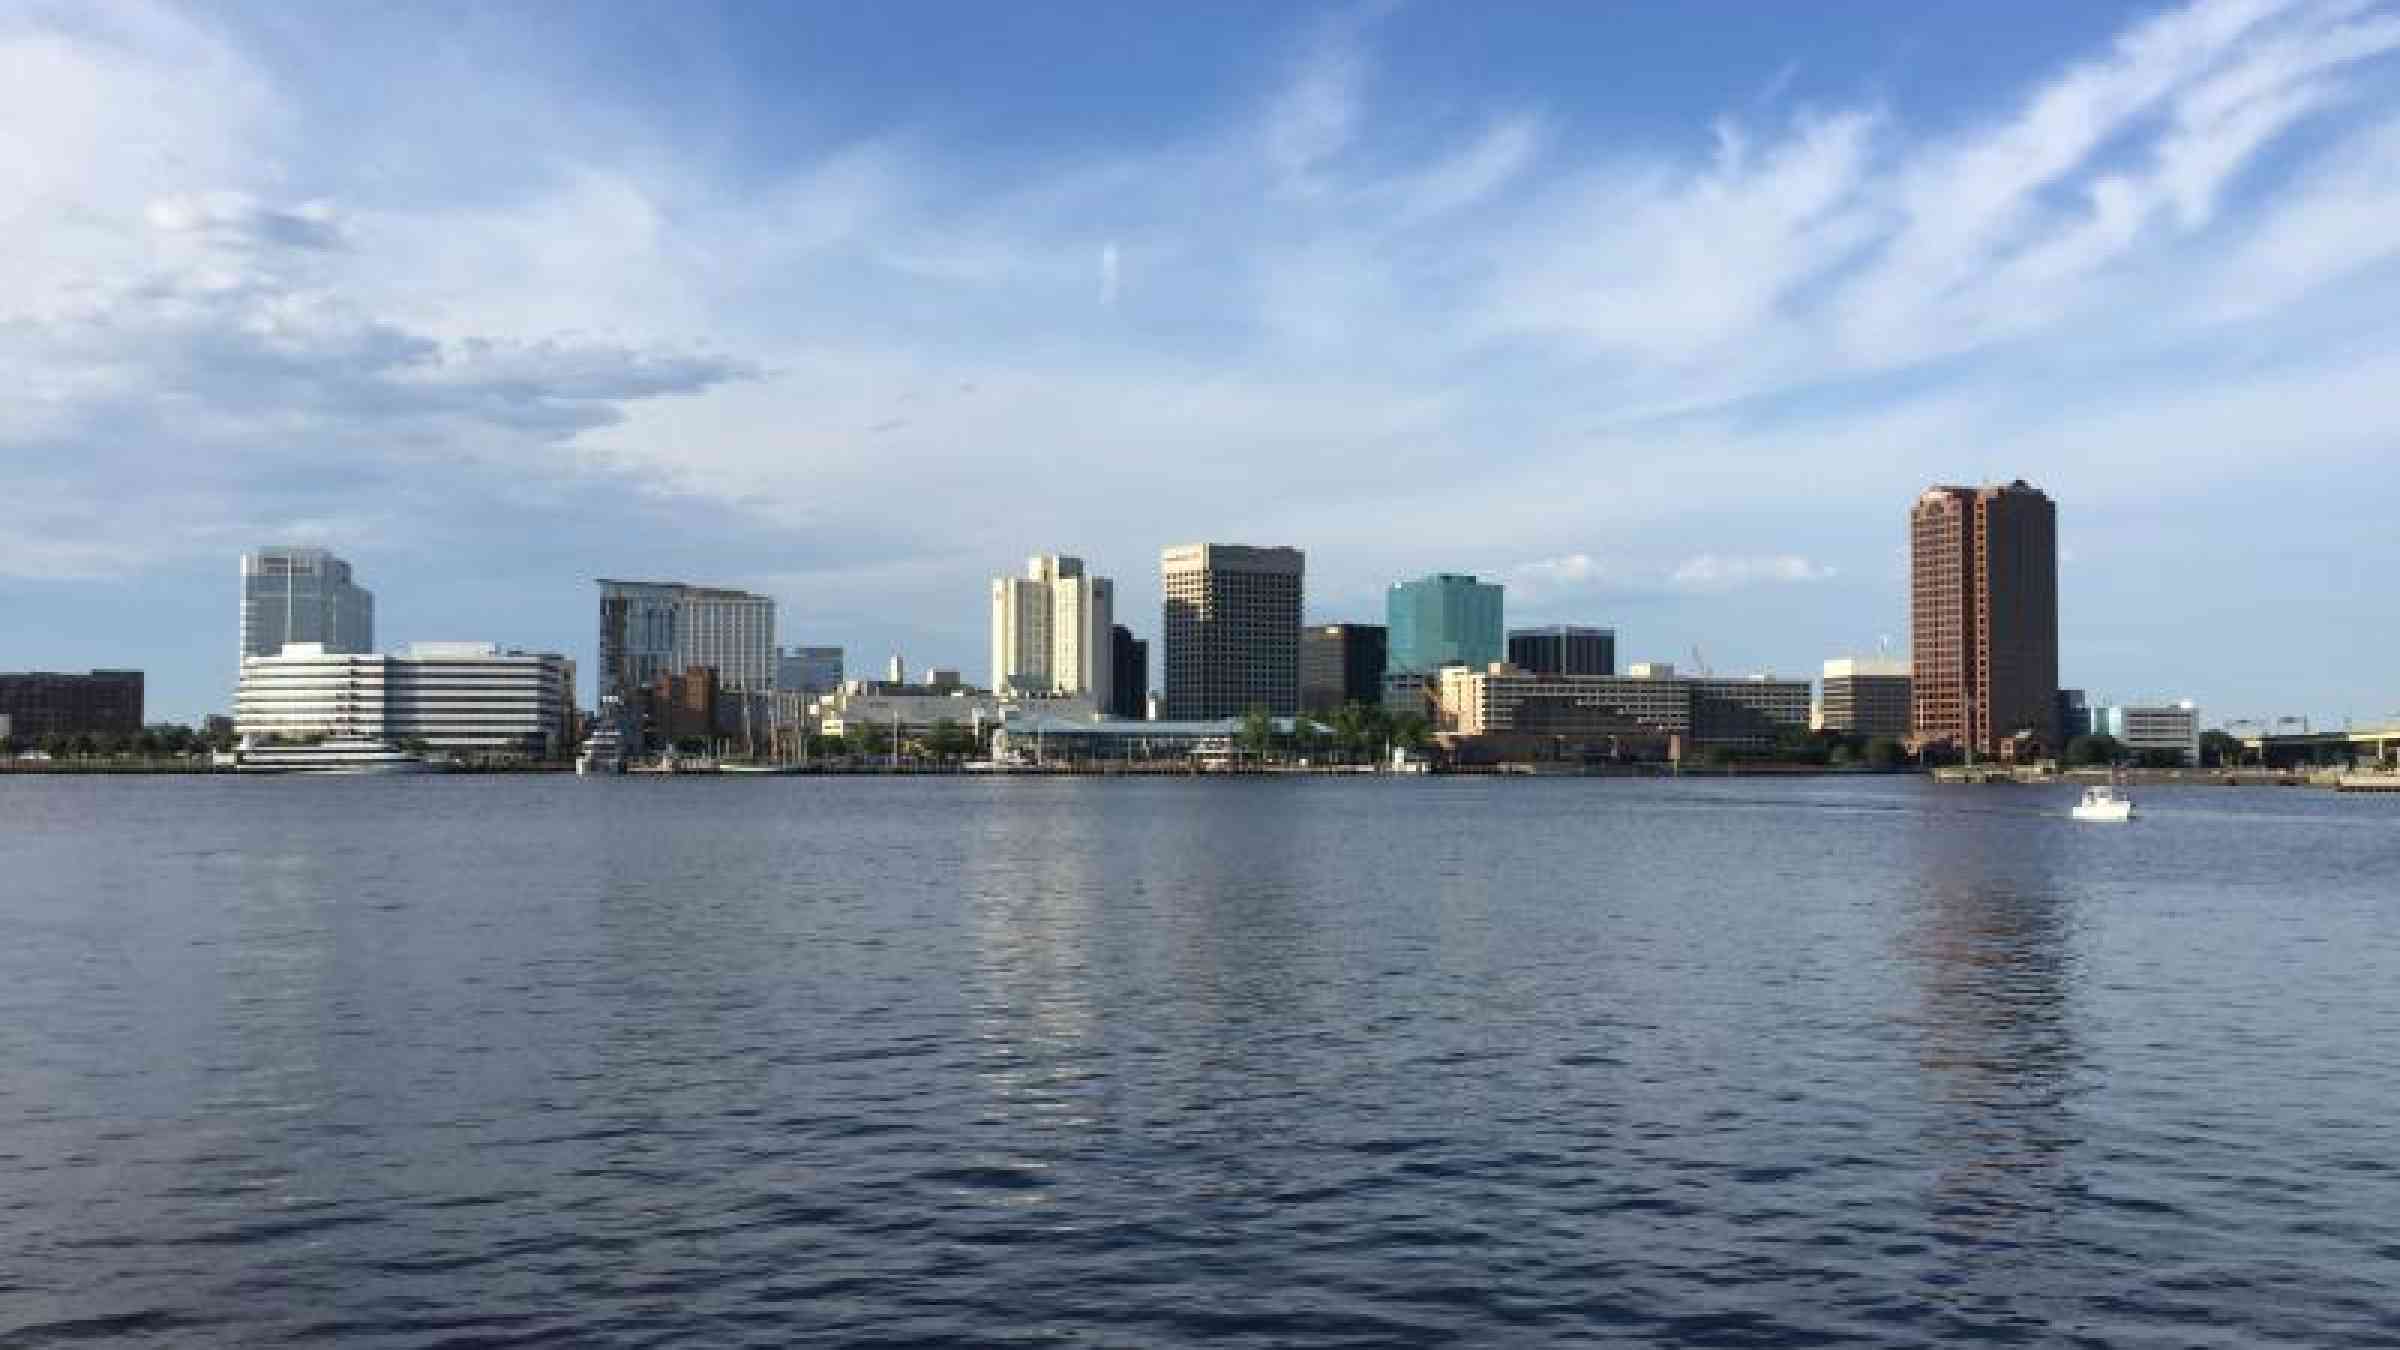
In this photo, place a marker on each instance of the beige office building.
(1051, 631)
(1867, 698)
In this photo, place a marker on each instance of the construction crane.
(1700, 663)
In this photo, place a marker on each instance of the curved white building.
(463, 696)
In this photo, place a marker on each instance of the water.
(498, 1061)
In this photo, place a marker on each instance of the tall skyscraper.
(1129, 673)
(1563, 650)
(1340, 663)
(1050, 631)
(1442, 620)
(653, 628)
(1983, 611)
(1231, 622)
(303, 595)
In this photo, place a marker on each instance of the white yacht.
(2104, 804)
(344, 754)
(604, 750)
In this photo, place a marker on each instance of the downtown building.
(1341, 663)
(808, 670)
(1650, 714)
(653, 628)
(472, 697)
(1052, 632)
(2145, 730)
(1231, 623)
(1983, 619)
(1563, 649)
(303, 595)
(38, 704)
(1128, 673)
(1867, 698)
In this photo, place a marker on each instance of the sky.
(1661, 316)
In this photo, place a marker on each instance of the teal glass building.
(1443, 620)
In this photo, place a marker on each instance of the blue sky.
(1660, 318)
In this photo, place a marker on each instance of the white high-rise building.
(1051, 629)
(303, 595)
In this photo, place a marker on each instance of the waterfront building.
(296, 594)
(2074, 715)
(1128, 673)
(649, 628)
(1563, 649)
(1231, 623)
(1340, 663)
(1866, 698)
(1034, 732)
(1617, 713)
(2152, 728)
(808, 670)
(1983, 596)
(38, 704)
(1446, 619)
(1050, 631)
(454, 696)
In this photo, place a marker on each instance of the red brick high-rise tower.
(1983, 617)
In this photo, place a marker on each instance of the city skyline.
(1649, 316)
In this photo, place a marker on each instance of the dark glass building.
(1340, 663)
(1563, 650)
(1129, 673)
(42, 703)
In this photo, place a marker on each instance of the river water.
(499, 1061)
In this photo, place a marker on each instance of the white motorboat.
(333, 755)
(2104, 804)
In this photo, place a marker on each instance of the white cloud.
(1718, 572)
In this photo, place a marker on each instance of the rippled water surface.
(503, 1061)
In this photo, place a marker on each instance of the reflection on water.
(1990, 940)
(972, 1062)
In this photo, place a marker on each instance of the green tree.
(1353, 729)
(949, 740)
(1410, 730)
(2090, 751)
(1884, 752)
(1257, 735)
(869, 738)
(1718, 756)
(2219, 750)
(2160, 759)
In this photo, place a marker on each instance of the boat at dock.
(604, 750)
(333, 755)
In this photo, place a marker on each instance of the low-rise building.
(1606, 714)
(41, 703)
(1867, 698)
(454, 696)
(2148, 728)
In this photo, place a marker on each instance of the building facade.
(1128, 674)
(1340, 663)
(1445, 619)
(2074, 715)
(454, 696)
(808, 670)
(650, 628)
(303, 595)
(1051, 631)
(1983, 610)
(1659, 713)
(2152, 728)
(1231, 623)
(1867, 698)
(1562, 649)
(39, 704)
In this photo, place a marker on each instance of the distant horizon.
(1659, 319)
